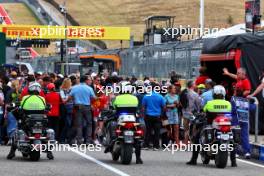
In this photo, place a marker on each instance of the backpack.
(184, 98)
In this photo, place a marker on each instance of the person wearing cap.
(53, 98)
(13, 77)
(201, 89)
(208, 94)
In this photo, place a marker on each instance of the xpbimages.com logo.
(193, 31)
(108, 90)
(51, 147)
(214, 148)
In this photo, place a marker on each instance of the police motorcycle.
(214, 133)
(217, 137)
(119, 134)
(32, 135)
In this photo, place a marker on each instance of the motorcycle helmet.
(219, 90)
(34, 87)
(126, 87)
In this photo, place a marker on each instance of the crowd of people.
(76, 102)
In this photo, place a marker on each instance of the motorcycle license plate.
(129, 139)
(129, 133)
(37, 130)
(225, 136)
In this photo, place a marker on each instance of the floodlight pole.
(64, 11)
(201, 18)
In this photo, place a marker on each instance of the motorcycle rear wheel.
(221, 159)
(34, 155)
(24, 155)
(126, 153)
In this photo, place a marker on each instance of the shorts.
(187, 115)
(173, 117)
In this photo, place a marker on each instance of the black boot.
(50, 155)
(192, 162)
(194, 158)
(138, 153)
(233, 163)
(12, 153)
(139, 160)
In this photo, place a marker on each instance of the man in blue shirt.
(153, 105)
(82, 95)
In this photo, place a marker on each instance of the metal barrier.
(256, 102)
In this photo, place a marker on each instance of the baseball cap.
(51, 86)
(208, 81)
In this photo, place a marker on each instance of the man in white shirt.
(259, 88)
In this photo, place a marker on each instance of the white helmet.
(219, 90)
(126, 87)
(34, 86)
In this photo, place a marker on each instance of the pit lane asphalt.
(156, 163)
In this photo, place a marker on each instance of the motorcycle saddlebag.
(236, 134)
(112, 127)
(209, 134)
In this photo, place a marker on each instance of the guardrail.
(256, 102)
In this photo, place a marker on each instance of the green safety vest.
(218, 106)
(33, 103)
(125, 100)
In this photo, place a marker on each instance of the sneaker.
(233, 164)
(247, 155)
(9, 142)
(96, 142)
(50, 156)
(145, 148)
(193, 163)
(139, 161)
(156, 149)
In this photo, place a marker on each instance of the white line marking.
(99, 162)
(251, 163)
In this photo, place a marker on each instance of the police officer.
(31, 104)
(212, 108)
(128, 103)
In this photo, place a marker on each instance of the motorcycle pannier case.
(237, 134)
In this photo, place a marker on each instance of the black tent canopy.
(252, 59)
(252, 51)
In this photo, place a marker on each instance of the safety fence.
(159, 60)
(154, 60)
